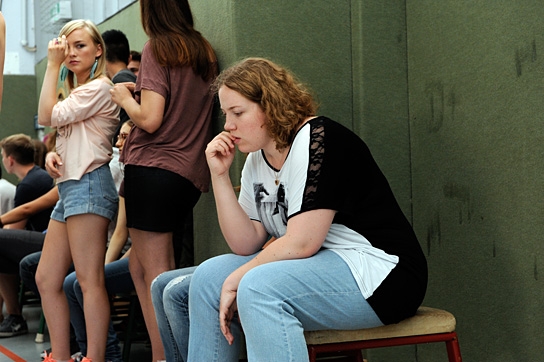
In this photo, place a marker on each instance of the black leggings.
(15, 245)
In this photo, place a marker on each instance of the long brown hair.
(173, 39)
(284, 100)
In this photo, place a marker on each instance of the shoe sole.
(11, 334)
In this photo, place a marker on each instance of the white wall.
(95, 10)
(21, 59)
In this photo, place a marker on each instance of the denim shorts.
(95, 193)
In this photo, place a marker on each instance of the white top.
(277, 203)
(7, 196)
(116, 168)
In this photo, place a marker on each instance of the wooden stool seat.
(427, 326)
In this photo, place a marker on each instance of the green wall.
(448, 95)
(476, 113)
(19, 106)
(316, 40)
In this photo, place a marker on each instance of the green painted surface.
(476, 110)
(19, 106)
(327, 46)
(448, 95)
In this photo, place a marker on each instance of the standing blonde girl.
(85, 121)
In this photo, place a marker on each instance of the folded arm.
(23, 212)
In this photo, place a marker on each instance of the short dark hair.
(117, 47)
(135, 55)
(20, 147)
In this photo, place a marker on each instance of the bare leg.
(150, 255)
(87, 235)
(54, 263)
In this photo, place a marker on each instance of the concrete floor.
(24, 348)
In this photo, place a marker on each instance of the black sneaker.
(13, 325)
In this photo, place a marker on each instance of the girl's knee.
(43, 281)
(217, 269)
(159, 283)
(261, 283)
(206, 273)
(176, 293)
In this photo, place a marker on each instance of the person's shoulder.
(330, 124)
(37, 173)
(6, 185)
(92, 86)
(333, 133)
(323, 120)
(35, 179)
(124, 75)
(100, 84)
(103, 80)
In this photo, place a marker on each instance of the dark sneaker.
(13, 325)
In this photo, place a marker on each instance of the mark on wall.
(524, 55)
(460, 193)
(494, 248)
(434, 234)
(441, 104)
(535, 270)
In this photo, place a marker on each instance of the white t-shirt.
(7, 196)
(329, 167)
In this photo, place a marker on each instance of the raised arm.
(243, 235)
(148, 114)
(56, 53)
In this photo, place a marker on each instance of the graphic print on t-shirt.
(271, 207)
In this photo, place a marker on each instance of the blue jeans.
(27, 271)
(169, 295)
(118, 280)
(276, 303)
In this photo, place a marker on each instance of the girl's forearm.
(239, 231)
(48, 95)
(24, 211)
(15, 215)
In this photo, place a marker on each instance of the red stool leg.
(454, 352)
(312, 353)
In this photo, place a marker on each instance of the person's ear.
(11, 160)
(98, 51)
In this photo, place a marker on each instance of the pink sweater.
(86, 121)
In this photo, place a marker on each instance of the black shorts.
(157, 200)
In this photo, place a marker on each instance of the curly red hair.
(284, 100)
